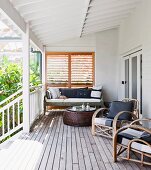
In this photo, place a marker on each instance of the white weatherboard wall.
(105, 45)
(86, 43)
(107, 63)
(135, 31)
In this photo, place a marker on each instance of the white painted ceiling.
(57, 20)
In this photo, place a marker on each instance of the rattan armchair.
(133, 143)
(103, 126)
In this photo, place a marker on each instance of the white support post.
(26, 80)
(44, 66)
(43, 73)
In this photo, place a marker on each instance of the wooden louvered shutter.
(70, 69)
(81, 70)
(57, 70)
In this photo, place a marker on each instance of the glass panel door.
(134, 77)
(127, 78)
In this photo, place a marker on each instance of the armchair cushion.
(127, 135)
(118, 106)
(105, 121)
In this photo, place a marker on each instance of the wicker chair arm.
(138, 121)
(135, 140)
(118, 115)
(101, 110)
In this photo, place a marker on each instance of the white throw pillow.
(96, 92)
(55, 92)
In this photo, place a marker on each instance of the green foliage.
(34, 74)
(10, 78)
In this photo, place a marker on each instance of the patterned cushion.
(104, 121)
(70, 92)
(125, 136)
(84, 93)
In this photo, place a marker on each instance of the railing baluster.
(13, 116)
(10, 111)
(3, 123)
(18, 113)
(8, 125)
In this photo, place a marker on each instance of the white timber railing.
(11, 111)
(36, 103)
(11, 114)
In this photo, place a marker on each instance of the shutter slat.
(80, 68)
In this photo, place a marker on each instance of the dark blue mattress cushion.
(118, 106)
(84, 93)
(145, 136)
(70, 92)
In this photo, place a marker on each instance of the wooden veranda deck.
(53, 145)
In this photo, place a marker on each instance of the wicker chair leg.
(114, 150)
(93, 129)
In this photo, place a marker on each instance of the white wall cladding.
(136, 31)
(85, 43)
(107, 63)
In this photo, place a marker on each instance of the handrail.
(11, 96)
(16, 93)
(40, 85)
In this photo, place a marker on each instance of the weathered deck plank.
(53, 145)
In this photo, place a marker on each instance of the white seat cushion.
(100, 121)
(103, 121)
(80, 100)
(135, 145)
(55, 100)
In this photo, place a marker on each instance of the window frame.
(69, 85)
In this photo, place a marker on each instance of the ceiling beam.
(7, 9)
(53, 34)
(106, 2)
(11, 14)
(118, 4)
(85, 11)
(110, 12)
(55, 28)
(111, 19)
(20, 3)
(103, 17)
(114, 23)
(58, 38)
(50, 14)
(42, 7)
(46, 21)
(100, 29)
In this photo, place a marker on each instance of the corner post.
(26, 80)
(44, 75)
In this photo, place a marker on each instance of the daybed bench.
(73, 97)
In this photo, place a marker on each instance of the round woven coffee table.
(78, 117)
